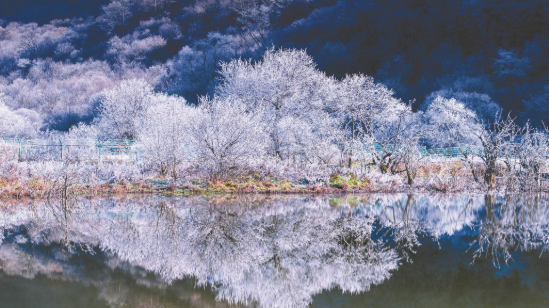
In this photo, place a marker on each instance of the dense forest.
(56, 57)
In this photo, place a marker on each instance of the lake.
(276, 251)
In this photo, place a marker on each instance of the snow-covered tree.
(255, 17)
(451, 123)
(164, 132)
(310, 140)
(225, 135)
(285, 84)
(373, 119)
(485, 108)
(154, 5)
(363, 107)
(80, 143)
(196, 67)
(134, 47)
(395, 138)
(123, 107)
(116, 13)
(67, 93)
(20, 123)
(532, 153)
(494, 139)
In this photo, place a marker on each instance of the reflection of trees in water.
(276, 254)
(277, 257)
(276, 251)
(513, 223)
(500, 225)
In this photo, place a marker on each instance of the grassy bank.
(28, 179)
(41, 188)
(435, 178)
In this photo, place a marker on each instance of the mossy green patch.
(285, 185)
(353, 201)
(336, 201)
(337, 181)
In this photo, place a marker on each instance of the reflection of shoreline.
(28, 189)
(257, 248)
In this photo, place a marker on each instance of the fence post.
(19, 150)
(61, 147)
(99, 146)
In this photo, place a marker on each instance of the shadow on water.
(276, 251)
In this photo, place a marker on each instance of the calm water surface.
(258, 251)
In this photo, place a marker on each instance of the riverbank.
(338, 184)
(42, 189)
(52, 179)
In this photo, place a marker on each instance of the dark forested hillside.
(44, 11)
(57, 56)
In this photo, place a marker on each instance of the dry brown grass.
(449, 176)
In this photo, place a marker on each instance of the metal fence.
(450, 152)
(51, 149)
(130, 151)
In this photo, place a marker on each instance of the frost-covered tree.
(373, 119)
(485, 108)
(362, 107)
(155, 5)
(67, 93)
(309, 140)
(255, 17)
(196, 67)
(20, 123)
(451, 123)
(165, 133)
(123, 107)
(116, 13)
(80, 143)
(134, 47)
(226, 136)
(395, 137)
(494, 139)
(164, 26)
(532, 153)
(284, 84)
(412, 158)
(408, 149)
